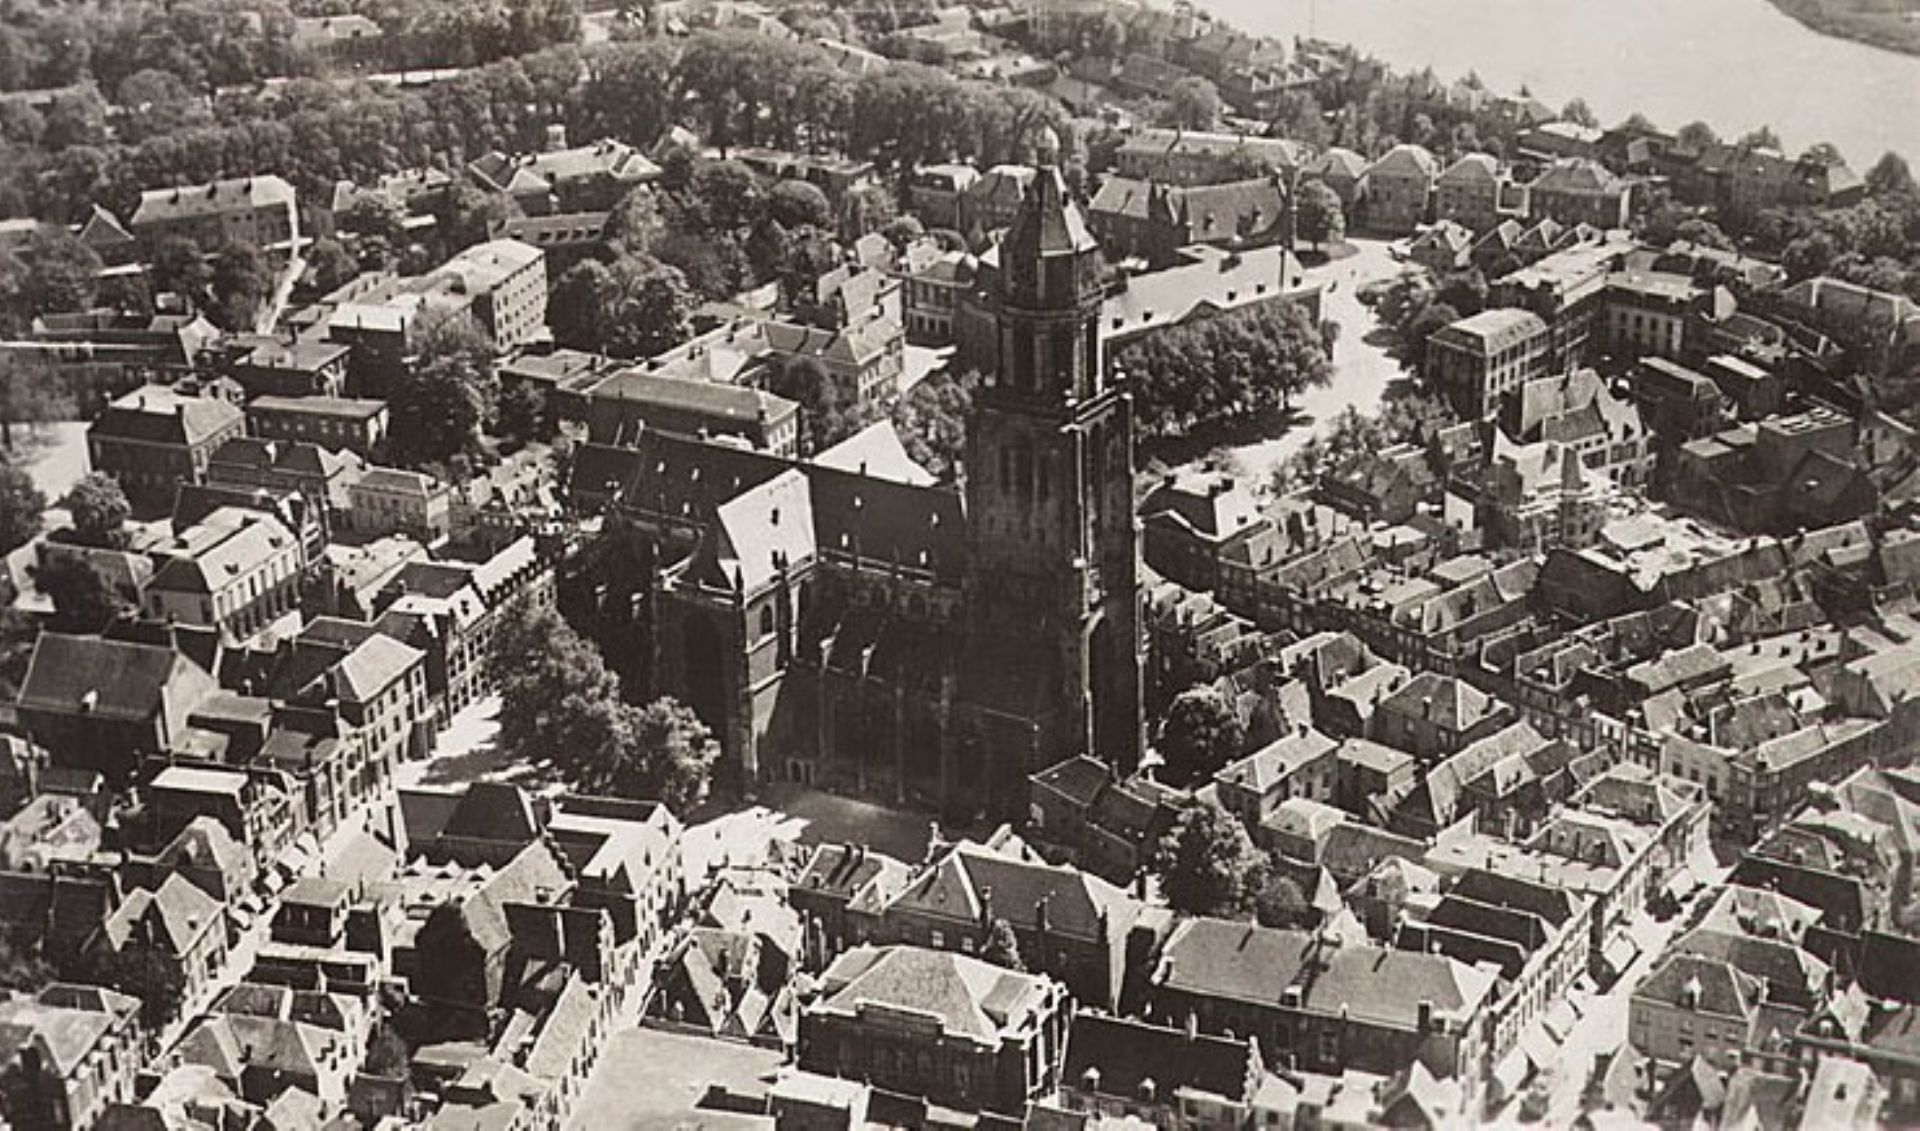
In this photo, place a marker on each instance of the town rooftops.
(67, 1021)
(1277, 152)
(876, 450)
(1491, 331)
(1118, 1056)
(163, 205)
(1211, 279)
(91, 674)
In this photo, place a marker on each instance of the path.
(1361, 370)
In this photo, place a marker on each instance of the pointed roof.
(1048, 222)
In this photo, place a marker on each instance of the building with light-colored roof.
(1398, 188)
(257, 211)
(70, 1052)
(157, 437)
(237, 571)
(1481, 359)
(628, 401)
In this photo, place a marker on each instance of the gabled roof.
(972, 1000)
(1115, 1056)
(1021, 891)
(110, 678)
(163, 205)
(161, 414)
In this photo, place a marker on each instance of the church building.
(849, 623)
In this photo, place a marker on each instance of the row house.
(236, 571)
(1579, 412)
(1105, 824)
(386, 500)
(1476, 193)
(1196, 157)
(313, 477)
(107, 705)
(1575, 191)
(355, 424)
(563, 178)
(1152, 220)
(453, 610)
(1188, 522)
(1398, 188)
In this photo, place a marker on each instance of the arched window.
(766, 620)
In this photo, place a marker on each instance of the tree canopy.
(1201, 733)
(1242, 365)
(1208, 865)
(99, 510)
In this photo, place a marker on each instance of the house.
(358, 425)
(565, 178)
(67, 1054)
(1695, 1006)
(257, 211)
(1482, 358)
(155, 438)
(1187, 522)
(1152, 220)
(1071, 926)
(1542, 494)
(1299, 764)
(1331, 1005)
(1398, 188)
(942, 1027)
(237, 571)
(1433, 716)
(1444, 247)
(630, 400)
(387, 500)
(1386, 485)
(1660, 314)
(935, 192)
(933, 281)
(1108, 825)
(1343, 171)
(173, 936)
(107, 704)
(453, 610)
(1579, 412)
(1168, 1077)
(1579, 190)
(991, 200)
(1471, 192)
(315, 478)
(298, 368)
(503, 282)
(840, 895)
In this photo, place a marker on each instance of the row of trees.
(1242, 366)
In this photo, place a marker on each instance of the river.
(1734, 64)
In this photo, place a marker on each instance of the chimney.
(1426, 1016)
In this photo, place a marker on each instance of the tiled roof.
(111, 678)
(971, 999)
(160, 414)
(1116, 1056)
(162, 205)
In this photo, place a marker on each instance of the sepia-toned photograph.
(959, 565)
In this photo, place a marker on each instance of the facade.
(105, 704)
(505, 282)
(155, 438)
(236, 571)
(1399, 189)
(257, 211)
(1576, 190)
(356, 424)
(1153, 220)
(1480, 360)
(293, 369)
(955, 1030)
(1196, 157)
(389, 501)
(1470, 192)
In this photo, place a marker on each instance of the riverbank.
(1891, 25)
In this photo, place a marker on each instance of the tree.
(62, 272)
(1243, 365)
(1696, 136)
(387, 1054)
(21, 508)
(1208, 865)
(1464, 291)
(635, 306)
(1201, 733)
(1192, 103)
(240, 283)
(1318, 214)
(1002, 947)
(636, 221)
(99, 510)
(1761, 138)
(932, 420)
(23, 968)
(1412, 345)
(1891, 176)
(1810, 255)
(1281, 903)
(179, 267)
(1823, 153)
(84, 599)
(792, 203)
(829, 404)
(437, 410)
(864, 210)
(674, 757)
(522, 414)
(1638, 123)
(1703, 233)
(1580, 114)
(331, 263)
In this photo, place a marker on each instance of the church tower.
(1055, 604)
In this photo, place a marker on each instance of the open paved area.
(650, 1079)
(788, 814)
(1362, 370)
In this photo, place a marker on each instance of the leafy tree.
(99, 510)
(635, 306)
(468, 215)
(1761, 138)
(1201, 733)
(1702, 232)
(829, 403)
(902, 231)
(1891, 176)
(1810, 255)
(84, 599)
(76, 118)
(62, 272)
(1242, 365)
(23, 968)
(1413, 341)
(1002, 946)
(674, 756)
(1695, 136)
(387, 1054)
(1192, 103)
(1823, 153)
(636, 221)
(1318, 214)
(240, 283)
(1281, 903)
(713, 265)
(865, 209)
(1465, 291)
(1208, 865)
(179, 267)
(792, 203)
(522, 414)
(1579, 113)
(1638, 123)
(332, 264)
(437, 410)
(932, 420)
(21, 508)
